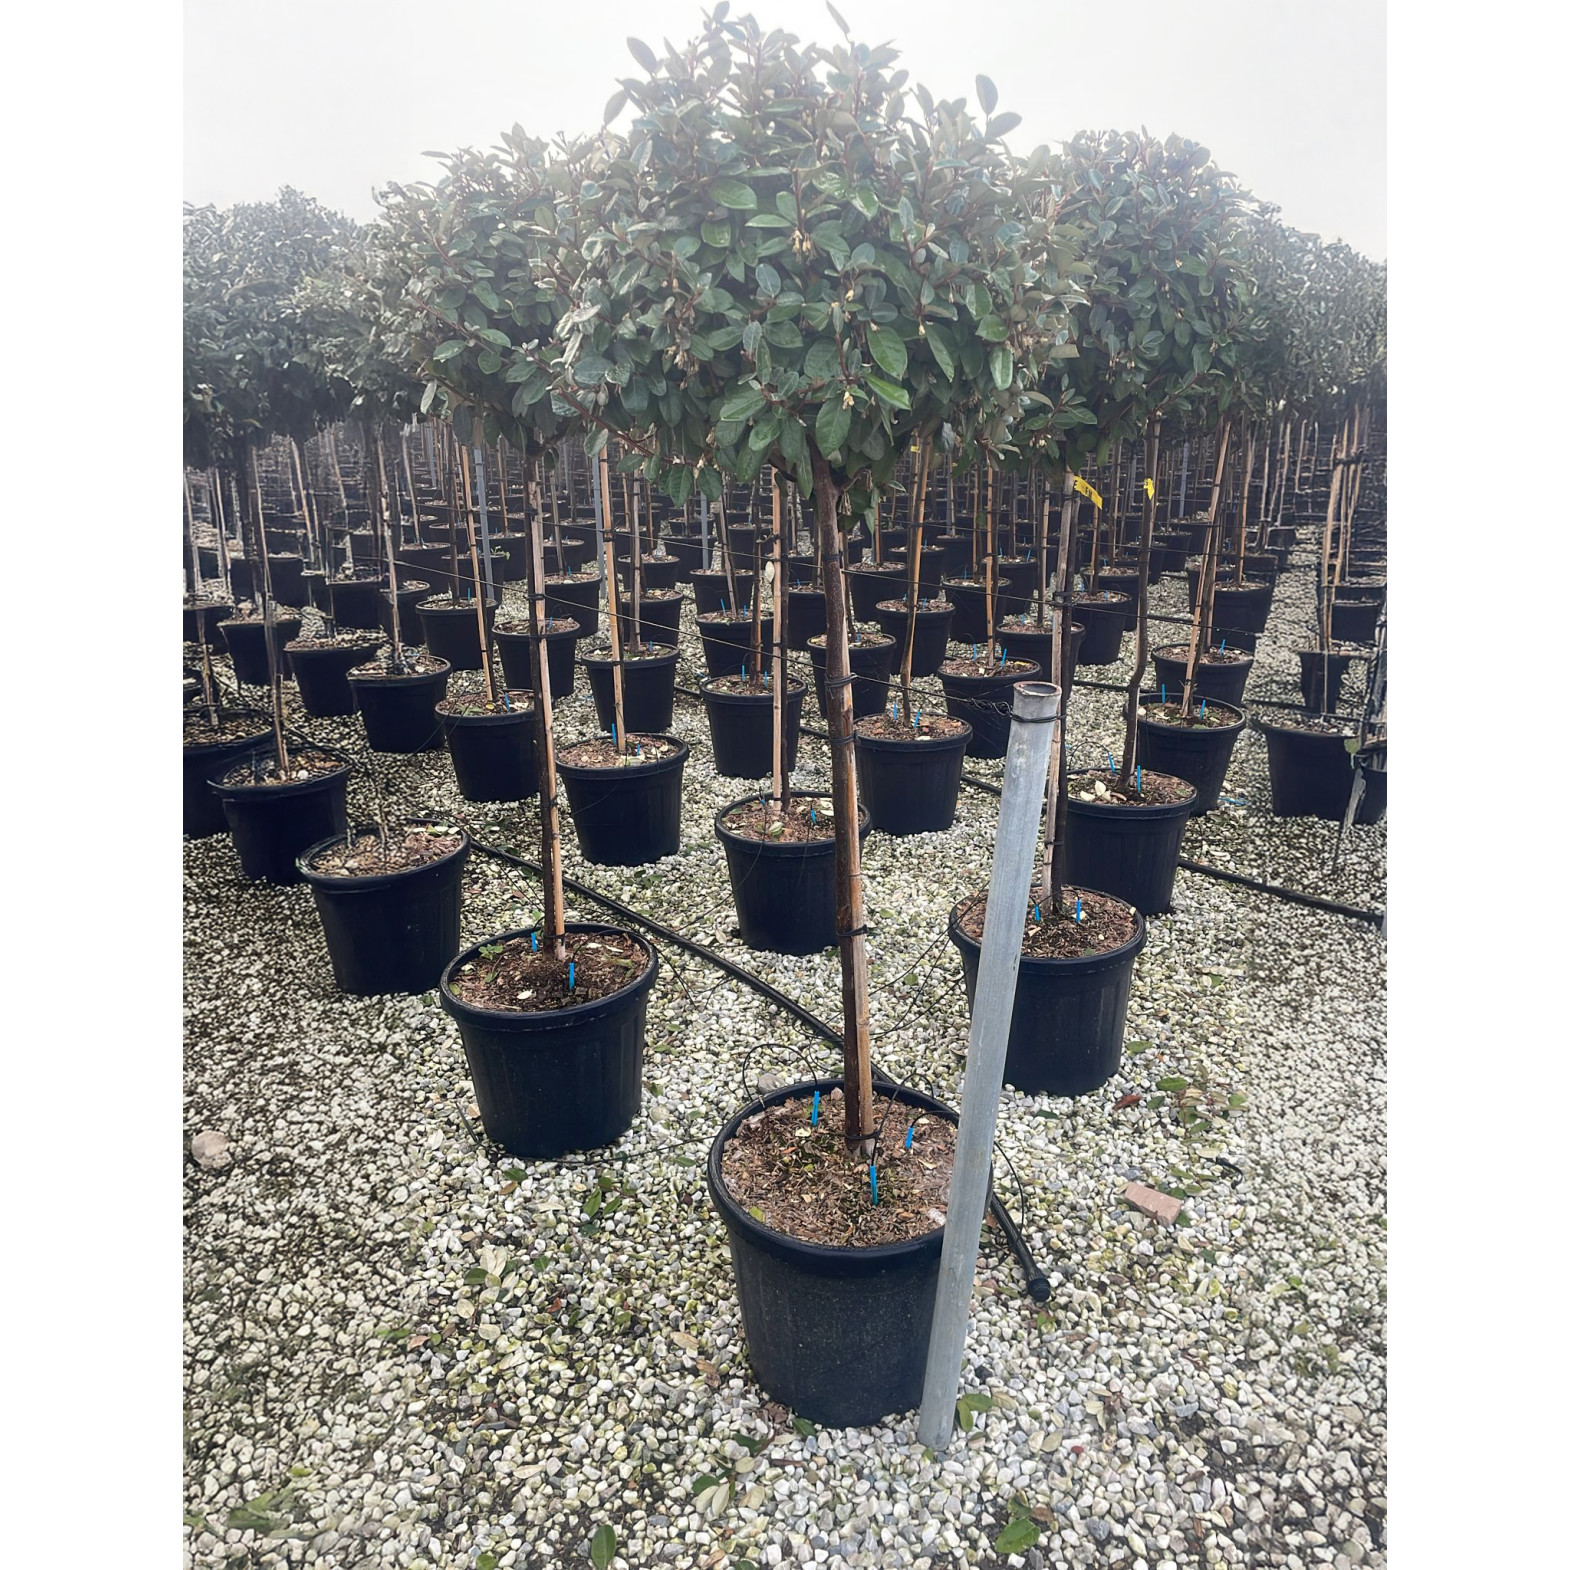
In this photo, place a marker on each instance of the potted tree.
(790, 259)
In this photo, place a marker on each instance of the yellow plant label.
(1150, 487)
(1085, 488)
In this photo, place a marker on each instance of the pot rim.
(543, 1018)
(376, 879)
(1072, 964)
(645, 766)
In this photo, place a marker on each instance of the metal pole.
(1183, 485)
(601, 525)
(703, 517)
(1031, 734)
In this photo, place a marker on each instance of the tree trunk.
(1199, 631)
(269, 629)
(781, 779)
(913, 580)
(553, 922)
(850, 903)
(1055, 807)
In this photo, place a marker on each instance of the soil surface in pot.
(445, 602)
(1155, 790)
(750, 686)
(206, 602)
(808, 818)
(478, 703)
(414, 664)
(304, 764)
(343, 640)
(1206, 716)
(802, 1181)
(1104, 924)
(938, 604)
(407, 845)
(634, 651)
(862, 640)
(732, 617)
(407, 586)
(198, 733)
(886, 728)
(599, 752)
(357, 575)
(649, 596)
(965, 666)
(1100, 597)
(549, 625)
(1211, 656)
(1356, 650)
(1320, 724)
(516, 978)
(585, 575)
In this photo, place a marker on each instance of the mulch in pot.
(512, 701)
(802, 1181)
(599, 752)
(1154, 790)
(405, 846)
(517, 978)
(1103, 923)
(304, 764)
(886, 728)
(806, 818)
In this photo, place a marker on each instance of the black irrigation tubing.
(1036, 1283)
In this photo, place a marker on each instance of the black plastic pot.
(627, 815)
(658, 619)
(211, 615)
(1311, 677)
(659, 572)
(968, 596)
(1200, 754)
(1310, 771)
(1354, 621)
(430, 563)
(727, 645)
(784, 890)
(910, 787)
(1104, 623)
(1376, 786)
(688, 551)
(509, 558)
(871, 660)
(1027, 643)
(246, 642)
(931, 569)
(956, 553)
(932, 633)
(1130, 852)
(984, 703)
(1066, 1031)
(1125, 581)
(838, 1335)
(410, 592)
(389, 931)
(648, 689)
(493, 755)
(561, 1079)
(1220, 681)
(806, 617)
(201, 812)
(240, 580)
(578, 598)
(315, 580)
(561, 650)
(400, 711)
(287, 572)
(711, 590)
(868, 585)
(741, 728)
(323, 680)
(357, 603)
(271, 824)
(452, 632)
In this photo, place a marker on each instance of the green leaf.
(804, 1426)
(1001, 360)
(942, 350)
(602, 1546)
(716, 232)
(992, 327)
(644, 55)
(678, 485)
(769, 221)
(614, 105)
(1021, 1533)
(889, 392)
(742, 405)
(450, 348)
(735, 195)
(1002, 125)
(823, 361)
(486, 1561)
(1174, 1083)
(986, 94)
(831, 427)
(591, 370)
(888, 349)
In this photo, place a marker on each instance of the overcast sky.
(336, 96)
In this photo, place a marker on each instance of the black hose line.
(1036, 1283)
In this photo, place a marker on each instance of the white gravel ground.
(406, 1349)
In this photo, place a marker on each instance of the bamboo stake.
(781, 779)
(380, 474)
(913, 581)
(1055, 808)
(554, 918)
(1142, 610)
(269, 631)
(1242, 514)
(474, 568)
(1206, 570)
(609, 536)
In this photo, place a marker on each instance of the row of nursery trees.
(793, 258)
